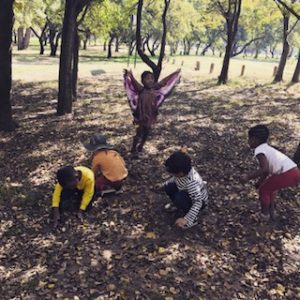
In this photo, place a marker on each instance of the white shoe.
(170, 207)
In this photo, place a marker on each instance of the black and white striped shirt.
(196, 188)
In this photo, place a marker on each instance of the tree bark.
(104, 45)
(65, 95)
(232, 19)
(117, 46)
(68, 56)
(109, 47)
(285, 50)
(41, 37)
(20, 38)
(75, 66)
(156, 67)
(296, 74)
(27, 38)
(54, 37)
(6, 25)
(205, 49)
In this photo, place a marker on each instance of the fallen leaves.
(151, 235)
(128, 248)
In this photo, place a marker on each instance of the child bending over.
(73, 192)
(144, 101)
(107, 164)
(276, 171)
(186, 189)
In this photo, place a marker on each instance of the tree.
(231, 11)
(6, 25)
(41, 36)
(69, 46)
(26, 12)
(156, 67)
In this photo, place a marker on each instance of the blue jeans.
(181, 200)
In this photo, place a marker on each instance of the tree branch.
(246, 45)
(288, 8)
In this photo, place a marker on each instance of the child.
(186, 189)
(74, 191)
(144, 101)
(107, 164)
(297, 156)
(276, 171)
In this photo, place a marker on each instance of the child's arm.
(262, 172)
(165, 80)
(88, 194)
(128, 74)
(55, 204)
(198, 194)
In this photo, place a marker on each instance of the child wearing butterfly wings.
(144, 100)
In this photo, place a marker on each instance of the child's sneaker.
(170, 207)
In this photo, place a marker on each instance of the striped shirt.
(196, 188)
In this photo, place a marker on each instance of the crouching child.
(186, 189)
(74, 192)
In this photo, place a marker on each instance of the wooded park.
(149, 149)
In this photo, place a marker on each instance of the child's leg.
(171, 190)
(144, 135)
(183, 201)
(136, 138)
(69, 200)
(275, 183)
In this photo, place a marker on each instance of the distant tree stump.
(243, 70)
(197, 68)
(212, 66)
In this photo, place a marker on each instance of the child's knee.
(170, 189)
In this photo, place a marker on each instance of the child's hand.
(80, 216)
(126, 72)
(159, 187)
(181, 222)
(56, 217)
(244, 178)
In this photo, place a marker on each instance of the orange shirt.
(110, 164)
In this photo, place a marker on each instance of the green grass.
(29, 66)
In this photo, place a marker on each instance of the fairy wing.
(165, 87)
(132, 88)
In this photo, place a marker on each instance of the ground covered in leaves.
(128, 248)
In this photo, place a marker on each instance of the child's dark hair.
(65, 175)
(260, 132)
(144, 74)
(178, 162)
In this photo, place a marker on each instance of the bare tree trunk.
(41, 37)
(232, 19)
(104, 45)
(109, 48)
(20, 38)
(65, 95)
(156, 68)
(296, 74)
(6, 25)
(285, 50)
(117, 46)
(54, 37)
(75, 65)
(27, 38)
(205, 49)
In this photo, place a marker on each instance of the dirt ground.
(128, 248)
